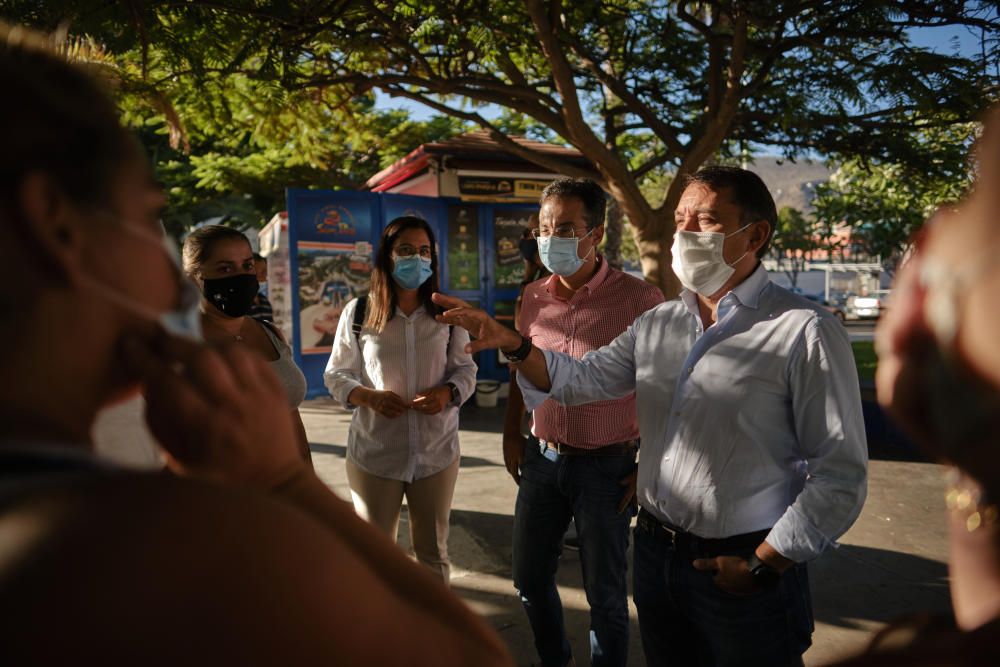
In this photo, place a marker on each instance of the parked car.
(832, 305)
(868, 307)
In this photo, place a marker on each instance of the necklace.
(238, 336)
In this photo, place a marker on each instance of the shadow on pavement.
(854, 583)
(323, 448)
(849, 584)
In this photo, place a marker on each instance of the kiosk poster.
(508, 225)
(463, 248)
(330, 275)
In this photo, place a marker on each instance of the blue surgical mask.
(562, 256)
(411, 272)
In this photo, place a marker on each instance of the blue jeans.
(686, 620)
(587, 489)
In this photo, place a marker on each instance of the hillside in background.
(791, 183)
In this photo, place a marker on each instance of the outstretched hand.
(487, 333)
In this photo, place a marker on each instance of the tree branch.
(634, 105)
(617, 179)
(651, 164)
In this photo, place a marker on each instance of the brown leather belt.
(614, 449)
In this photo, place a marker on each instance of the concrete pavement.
(892, 562)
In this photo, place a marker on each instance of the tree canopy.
(639, 86)
(885, 201)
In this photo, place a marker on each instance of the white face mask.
(184, 319)
(698, 260)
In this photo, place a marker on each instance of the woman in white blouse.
(405, 375)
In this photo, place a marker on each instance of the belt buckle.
(657, 525)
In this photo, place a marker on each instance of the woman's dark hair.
(199, 244)
(382, 297)
(56, 119)
(748, 192)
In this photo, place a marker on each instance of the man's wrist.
(764, 575)
(514, 342)
(520, 353)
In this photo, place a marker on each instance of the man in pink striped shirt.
(580, 462)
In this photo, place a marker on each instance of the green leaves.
(885, 202)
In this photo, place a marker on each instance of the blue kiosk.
(476, 196)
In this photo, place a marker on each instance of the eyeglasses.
(567, 231)
(406, 250)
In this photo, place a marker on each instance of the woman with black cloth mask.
(220, 261)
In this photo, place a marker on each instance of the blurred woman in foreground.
(245, 557)
(939, 376)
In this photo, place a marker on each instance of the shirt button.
(677, 413)
(690, 370)
(666, 458)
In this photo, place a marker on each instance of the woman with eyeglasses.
(405, 376)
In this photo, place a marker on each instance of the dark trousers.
(687, 621)
(587, 489)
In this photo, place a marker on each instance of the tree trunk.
(613, 234)
(653, 242)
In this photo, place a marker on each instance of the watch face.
(766, 576)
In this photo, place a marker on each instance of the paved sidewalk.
(891, 563)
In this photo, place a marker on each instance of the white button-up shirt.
(753, 424)
(411, 355)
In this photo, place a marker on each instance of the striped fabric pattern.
(597, 314)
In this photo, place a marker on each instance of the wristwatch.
(763, 574)
(521, 353)
(455, 396)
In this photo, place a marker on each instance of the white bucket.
(487, 392)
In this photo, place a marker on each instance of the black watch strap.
(455, 395)
(763, 574)
(521, 353)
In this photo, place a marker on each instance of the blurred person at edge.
(404, 375)
(255, 560)
(939, 377)
(219, 260)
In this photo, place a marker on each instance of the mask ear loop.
(738, 231)
(593, 247)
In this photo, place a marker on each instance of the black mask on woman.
(528, 248)
(233, 295)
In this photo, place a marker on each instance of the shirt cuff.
(533, 396)
(795, 538)
(344, 390)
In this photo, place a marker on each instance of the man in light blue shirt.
(754, 458)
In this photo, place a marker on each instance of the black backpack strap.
(359, 317)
